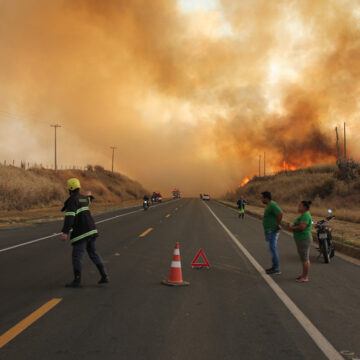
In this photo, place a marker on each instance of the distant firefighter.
(241, 207)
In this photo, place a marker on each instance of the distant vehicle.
(153, 198)
(146, 204)
(326, 246)
(206, 197)
(156, 197)
(176, 194)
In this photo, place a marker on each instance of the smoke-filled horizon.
(189, 98)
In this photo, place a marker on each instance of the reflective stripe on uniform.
(70, 213)
(89, 233)
(82, 209)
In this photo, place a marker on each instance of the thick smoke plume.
(190, 99)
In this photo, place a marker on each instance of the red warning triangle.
(194, 263)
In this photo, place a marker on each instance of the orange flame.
(287, 167)
(244, 182)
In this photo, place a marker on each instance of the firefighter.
(84, 232)
(241, 207)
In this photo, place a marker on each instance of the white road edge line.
(325, 346)
(345, 257)
(57, 234)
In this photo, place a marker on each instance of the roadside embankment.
(26, 195)
(328, 186)
(346, 235)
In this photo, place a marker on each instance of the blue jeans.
(78, 250)
(272, 238)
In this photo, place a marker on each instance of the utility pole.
(345, 155)
(337, 145)
(55, 127)
(259, 165)
(264, 163)
(112, 162)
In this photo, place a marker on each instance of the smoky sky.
(190, 99)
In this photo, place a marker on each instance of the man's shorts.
(303, 248)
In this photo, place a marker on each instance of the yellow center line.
(22, 325)
(146, 232)
(168, 215)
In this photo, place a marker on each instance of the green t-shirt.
(306, 233)
(271, 212)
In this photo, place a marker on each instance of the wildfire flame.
(287, 167)
(244, 182)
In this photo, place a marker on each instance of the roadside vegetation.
(329, 186)
(22, 189)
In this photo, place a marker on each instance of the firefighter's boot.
(76, 283)
(104, 278)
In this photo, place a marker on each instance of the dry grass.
(36, 188)
(317, 183)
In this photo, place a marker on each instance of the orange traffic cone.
(175, 277)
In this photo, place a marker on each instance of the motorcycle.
(326, 246)
(146, 204)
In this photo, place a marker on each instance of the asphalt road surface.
(231, 311)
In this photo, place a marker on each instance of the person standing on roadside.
(303, 238)
(241, 207)
(84, 233)
(271, 222)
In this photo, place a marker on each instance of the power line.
(55, 127)
(259, 165)
(264, 163)
(112, 162)
(337, 145)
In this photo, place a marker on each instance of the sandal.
(301, 280)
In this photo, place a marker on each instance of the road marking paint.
(57, 234)
(22, 325)
(168, 215)
(338, 254)
(146, 232)
(29, 242)
(325, 346)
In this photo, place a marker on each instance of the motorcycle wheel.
(325, 251)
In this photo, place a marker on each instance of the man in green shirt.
(271, 222)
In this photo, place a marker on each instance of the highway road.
(231, 311)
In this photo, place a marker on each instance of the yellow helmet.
(73, 184)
